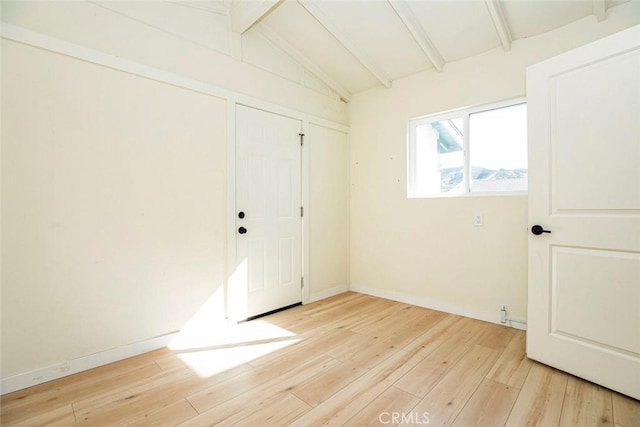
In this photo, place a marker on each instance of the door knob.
(242, 230)
(538, 230)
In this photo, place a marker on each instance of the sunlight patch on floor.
(209, 345)
(208, 362)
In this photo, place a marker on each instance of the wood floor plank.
(386, 324)
(350, 346)
(420, 380)
(180, 359)
(541, 398)
(448, 397)
(65, 392)
(384, 409)
(364, 313)
(406, 330)
(279, 411)
(310, 344)
(317, 390)
(497, 336)
(123, 405)
(228, 411)
(172, 414)
(329, 316)
(79, 382)
(442, 331)
(350, 400)
(87, 405)
(344, 305)
(278, 364)
(626, 411)
(489, 405)
(140, 399)
(61, 416)
(382, 312)
(586, 404)
(513, 365)
(226, 390)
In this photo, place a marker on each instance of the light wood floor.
(348, 360)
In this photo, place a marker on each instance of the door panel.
(268, 191)
(256, 263)
(607, 116)
(285, 196)
(285, 252)
(584, 186)
(589, 285)
(256, 199)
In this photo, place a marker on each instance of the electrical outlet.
(478, 219)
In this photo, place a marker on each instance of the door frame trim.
(306, 120)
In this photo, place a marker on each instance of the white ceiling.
(354, 45)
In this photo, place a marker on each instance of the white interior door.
(268, 220)
(584, 187)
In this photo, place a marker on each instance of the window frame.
(465, 114)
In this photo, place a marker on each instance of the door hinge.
(301, 282)
(301, 211)
(301, 135)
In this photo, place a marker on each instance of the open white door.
(584, 187)
(268, 222)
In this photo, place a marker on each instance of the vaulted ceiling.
(354, 45)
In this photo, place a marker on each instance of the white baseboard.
(336, 290)
(53, 372)
(435, 305)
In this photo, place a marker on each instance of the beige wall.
(427, 251)
(114, 186)
(328, 211)
(113, 198)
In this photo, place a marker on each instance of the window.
(479, 150)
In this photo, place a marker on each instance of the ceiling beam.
(495, 11)
(413, 26)
(600, 9)
(298, 57)
(322, 18)
(245, 14)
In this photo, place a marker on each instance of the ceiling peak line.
(321, 17)
(268, 34)
(245, 15)
(500, 23)
(418, 33)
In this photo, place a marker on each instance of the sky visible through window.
(505, 149)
